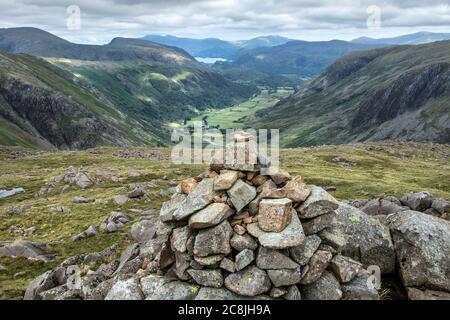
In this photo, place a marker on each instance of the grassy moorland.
(357, 171)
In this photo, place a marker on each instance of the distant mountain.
(152, 84)
(299, 59)
(415, 38)
(400, 92)
(216, 48)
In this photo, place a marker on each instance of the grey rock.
(416, 294)
(377, 207)
(213, 241)
(228, 265)
(285, 277)
(225, 180)
(334, 237)
(25, 250)
(175, 290)
(291, 236)
(152, 283)
(274, 214)
(60, 209)
(115, 221)
(244, 258)
(316, 266)
(79, 200)
(209, 261)
(302, 253)
(320, 223)
(249, 282)
(137, 192)
(360, 288)
(422, 245)
(199, 198)
(419, 201)
(125, 290)
(120, 199)
(89, 232)
(168, 208)
(293, 293)
(182, 263)
(273, 259)
(222, 294)
(243, 242)
(326, 288)
(212, 215)
(207, 278)
(180, 238)
(318, 203)
(277, 292)
(441, 206)
(44, 282)
(241, 194)
(144, 230)
(279, 176)
(368, 241)
(344, 268)
(131, 252)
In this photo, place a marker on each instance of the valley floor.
(356, 171)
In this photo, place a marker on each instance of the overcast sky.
(101, 20)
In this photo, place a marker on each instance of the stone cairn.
(234, 233)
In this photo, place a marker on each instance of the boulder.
(115, 221)
(125, 290)
(249, 282)
(212, 215)
(317, 265)
(199, 198)
(291, 236)
(44, 282)
(241, 194)
(169, 207)
(244, 258)
(368, 240)
(318, 203)
(207, 278)
(243, 242)
(285, 277)
(25, 250)
(79, 200)
(144, 230)
(418, 201)
(273, 259)
(213, 241)
(274, 214)
(326, 288)
(422, 245)
(344, 268)
(225, 180)
(441, 206)
(303, 252)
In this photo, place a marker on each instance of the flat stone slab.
(212, 215)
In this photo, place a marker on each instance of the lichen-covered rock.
(291, 236)
(25, 249)
(180, 238)
(418, 201)
(326, 288)
(422, 245)
(277, 292)
(273, 259)
(207, 278)
(175, 290)
(292, 293)
(416, 294)
(115, 221)
(222, 294)
(244, 258)
(441, 206)
(317, 265)
(295, 190)
(213, 241)
(241, 194)
(360, 288)
(169, 207)
(210, 216)
(151, 284)
(318, 203)
(274, 214)
(285, 277)
(249, 282)
(302, 253)
(368, 240)
(125, 290)
(315, 225)
(144, 230)
(44, 282)
(228, 265)
(199, 198)
(209, 261)
(377, 207)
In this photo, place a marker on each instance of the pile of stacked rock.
(239, 232)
